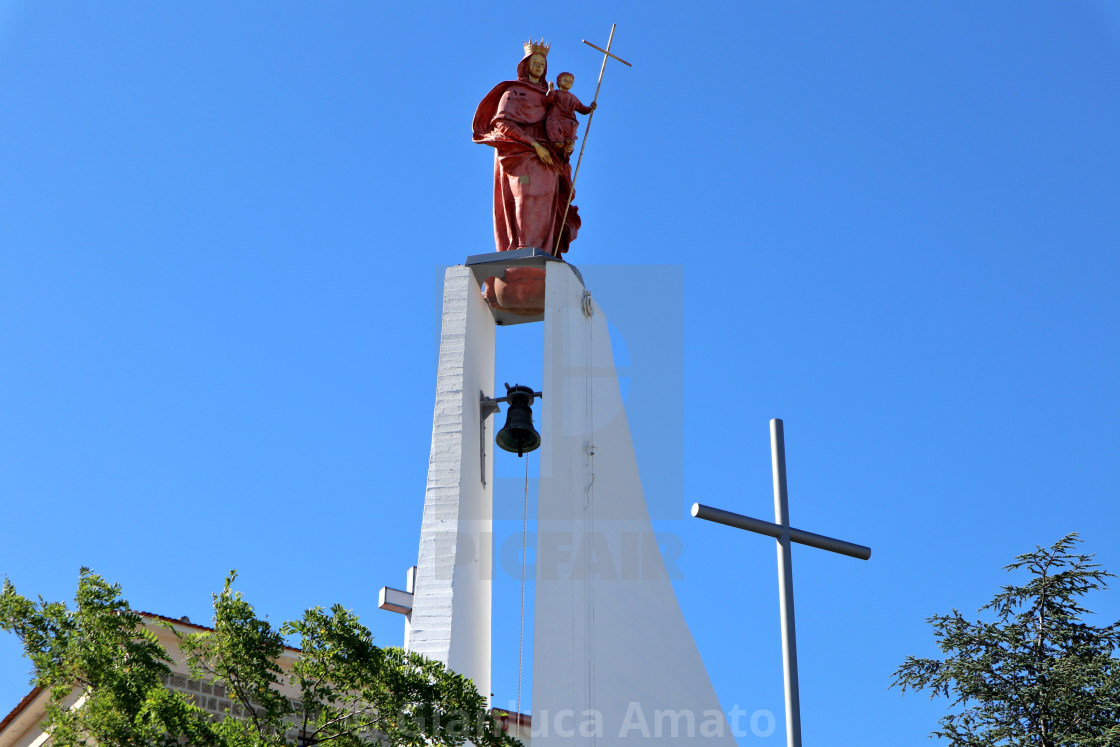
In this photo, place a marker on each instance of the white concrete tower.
(612, 653)
(450, 615)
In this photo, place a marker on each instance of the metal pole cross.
(572, 193)
(785, 534)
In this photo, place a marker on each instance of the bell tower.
(611, 649)
(447, 598)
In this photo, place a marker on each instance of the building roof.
(30, 697)
(15, 712)
(508, 717)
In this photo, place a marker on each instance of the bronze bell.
(518, 434)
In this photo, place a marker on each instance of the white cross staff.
(785, 534)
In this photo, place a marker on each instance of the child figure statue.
(561, 125)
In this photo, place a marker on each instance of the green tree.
(107, 675)
(1037, 674)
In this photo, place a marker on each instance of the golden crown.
(540, 47)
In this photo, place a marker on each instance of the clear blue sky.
(897, 226)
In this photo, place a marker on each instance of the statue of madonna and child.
(532, 129)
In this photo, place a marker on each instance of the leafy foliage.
(1037, 675)
(107, 674)
(104, 669)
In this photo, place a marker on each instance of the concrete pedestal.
(450, 618)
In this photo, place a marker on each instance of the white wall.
(613, 659)
(450, 618)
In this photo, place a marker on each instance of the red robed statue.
(532, 177)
